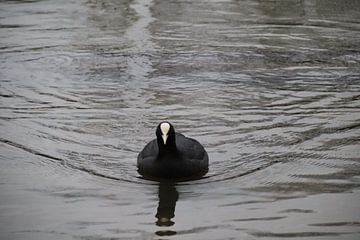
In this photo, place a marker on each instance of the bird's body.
(172, 156)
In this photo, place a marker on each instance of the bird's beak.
(164, 137)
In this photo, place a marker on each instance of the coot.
(172, 156)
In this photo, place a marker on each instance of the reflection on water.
(271, 88)
(168, 195)
(167, 202)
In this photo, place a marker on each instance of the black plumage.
(172, 156)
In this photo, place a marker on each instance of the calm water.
(271, 89)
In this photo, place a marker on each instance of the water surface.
(270, 88)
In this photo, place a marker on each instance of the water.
(270, 88)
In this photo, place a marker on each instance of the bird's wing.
(190, 147)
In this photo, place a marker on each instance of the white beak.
(164, 137)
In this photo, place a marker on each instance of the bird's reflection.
(168, 195)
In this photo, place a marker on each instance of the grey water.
(270, 88)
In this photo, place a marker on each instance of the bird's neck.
(169, 147)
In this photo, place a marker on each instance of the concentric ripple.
(270, 88)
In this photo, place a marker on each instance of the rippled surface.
(271, 89)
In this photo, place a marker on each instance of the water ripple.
(270, 88)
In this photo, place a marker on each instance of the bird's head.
(165, 131)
